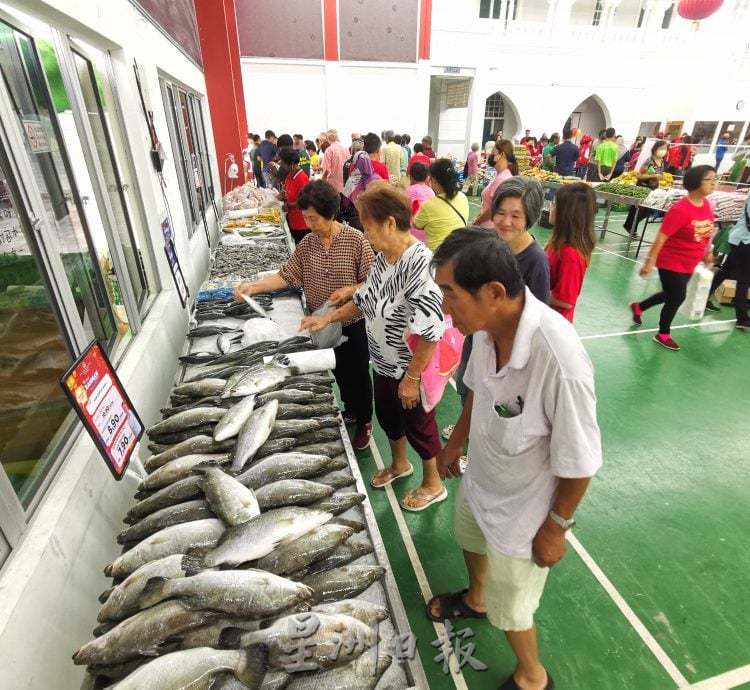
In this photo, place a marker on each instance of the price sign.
(100, 401)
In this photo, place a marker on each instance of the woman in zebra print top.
(399, 298)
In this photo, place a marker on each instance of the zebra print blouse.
(399, 299)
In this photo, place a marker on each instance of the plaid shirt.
(319, 271)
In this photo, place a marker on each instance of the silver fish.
(286, 395)
(122, 600)
(196, 444)
(289, 428)
(233, 502)
(209, 635)
(233, 419)
(339, 502)
(356, 608)
(224, 343)
(339, 479)
(284, 466)
(261, 535)
(273, 446)
(166, 517)
(179, 492)
(295, 411)
(196, 416)
(141, 634)
(253, 434)
(305, 550)
(255, 382)
(200, 388)
(244, 593)
(171, 540)
(343, 583)
(318, 435)
(180, 468)
(341, 555)
(291, 492)
(363, 673)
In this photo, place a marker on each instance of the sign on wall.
(36, 136)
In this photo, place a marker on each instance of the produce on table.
(624, 190)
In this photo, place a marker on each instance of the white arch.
(512, 123)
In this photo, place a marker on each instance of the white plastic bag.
(698, 290)
(330, 336)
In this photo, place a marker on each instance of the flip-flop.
(510, 684)
(392, 477)
(428, 498)
(452, 606)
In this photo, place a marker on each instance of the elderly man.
(534, 442)
(333, 161)
(391, 154)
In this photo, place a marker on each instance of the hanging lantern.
(695, 10)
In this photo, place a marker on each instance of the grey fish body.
(283, 466)
(200, 389)
(356, 608)
(257, 381)
(176, 437)
(345, 582)
(305, 550)
(166, 517)
(333, 449)
(363, 673)
(339, 479)
(303, 411)
(342, 555)
(233, 502)
(253, 434)
(275, 445)
(289, 428)
(234, 418)
(286, 395)
(339, 502)
(182, 490)
(223, 343)
(123, 599)
(209, 635)
(179, 468)
(356, 525)
(312, 379)
(203, 331)
(319, 436)
(169, 541)
(196, 444)
(209, 401)
(196, 416)
(291, 492)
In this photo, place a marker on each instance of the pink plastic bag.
(445, 360)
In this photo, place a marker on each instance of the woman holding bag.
(681, 244)
(399, 299)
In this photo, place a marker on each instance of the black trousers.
(352, 372)
(674, 288)
(736, 266)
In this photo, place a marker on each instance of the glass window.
(197, 176)
(703, 132)
(196, 116)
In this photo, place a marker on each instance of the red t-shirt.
(688, 229)
(567, 269)
(292, 187)
(381, 169)
(418, 158)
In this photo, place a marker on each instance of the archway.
(591, 115)
(500, 114)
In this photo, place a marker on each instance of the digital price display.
(99, 399)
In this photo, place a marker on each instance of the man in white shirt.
(534, 442)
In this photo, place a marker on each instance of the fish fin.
(108, 570)
(193, 562)
(253, 665)
(153, 592)
(231, 638)
(105, 595)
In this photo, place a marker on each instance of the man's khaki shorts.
(514, 585)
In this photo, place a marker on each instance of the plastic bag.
(698, 291)
(330, 336)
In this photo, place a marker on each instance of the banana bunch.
(666, 180)
(543, 175)
(627, 178)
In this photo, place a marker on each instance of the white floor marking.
(724, 681)
(655, 330)
(424, 585)
(629, 614)
(627, 258)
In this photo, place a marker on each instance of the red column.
(217, 29)
(425, 29)
(331, 30)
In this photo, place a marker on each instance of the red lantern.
(696, 10)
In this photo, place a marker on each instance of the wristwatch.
(565, 524)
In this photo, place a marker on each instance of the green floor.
(664, 520)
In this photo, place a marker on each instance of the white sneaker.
(447, 431)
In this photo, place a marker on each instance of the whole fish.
(296, 347)
(197, 358)
(291, 492)
(330, 448)
(206, 330)
(244, 593)
(273, 446)
(338, 462)
(345, 582)
(305, 550)
(196, 416)
(210, 401)
(339, 502)
(179, 436)
(363, 673)
(209, 635)
(122, 600)
(289, 428)
(284, 466)
(253, 434)
(194, 445)
(296, 411)
(261, 535)
(304, 386)
(141, 634)
(341, 555)
(200, 389)
(356, 525)
(356, 608)
(113, 672)
(171, 540)
(166, 517)
(319, 436)
(231, 422)
(223, 343)
(329, 422)
(233, 502)
(195, 669)
(257, 381)
(219, 371)
(337, 480)
(314, 379)
(286, 395)
(180, 468)
(182, 490)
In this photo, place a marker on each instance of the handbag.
(442, 365)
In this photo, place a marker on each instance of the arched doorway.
(591, 115)
(500, 114)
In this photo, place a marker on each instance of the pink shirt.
(472, 159)
(333, 161)
(418, 193)
(489, 191)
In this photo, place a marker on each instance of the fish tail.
(153, 592)
(108, 570)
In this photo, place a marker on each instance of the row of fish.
(248, 259)
(244, 544)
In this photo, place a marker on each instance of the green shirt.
(304, 162)
(606, 154)
(547, 149)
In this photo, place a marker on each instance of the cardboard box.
(725, 292)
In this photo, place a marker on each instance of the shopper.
(681, 244)
(399, 298)
(570, 246)
(257, 166)
(505, 168)
(403, 161)
(418, 157)
(565, 154)
(534, 444)
(361, 173)
(679, 156)
(294, 181)
(582, 165)
(471, 169)
(405, 142)
(427, 147)
(299, 142)
(419, 192)
(606, 156)
(592, 174)
(721, 149)
(333, 161)
(525, 137)
(267, 151)
(449, 209)
(649, 175)
(312, 152)
(548, 160)
(391, 155)
(372, 147)
(623, 157)
(332, 258)
(737, 267)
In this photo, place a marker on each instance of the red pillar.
(217, 29)
(331, 29)
(425, 29)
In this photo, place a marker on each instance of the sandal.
(390, 475)
(428, 499)
(510, 684)
(452, 606)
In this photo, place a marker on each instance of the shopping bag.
(698, 290)
(443, 364)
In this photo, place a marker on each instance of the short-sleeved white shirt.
(515, 462)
